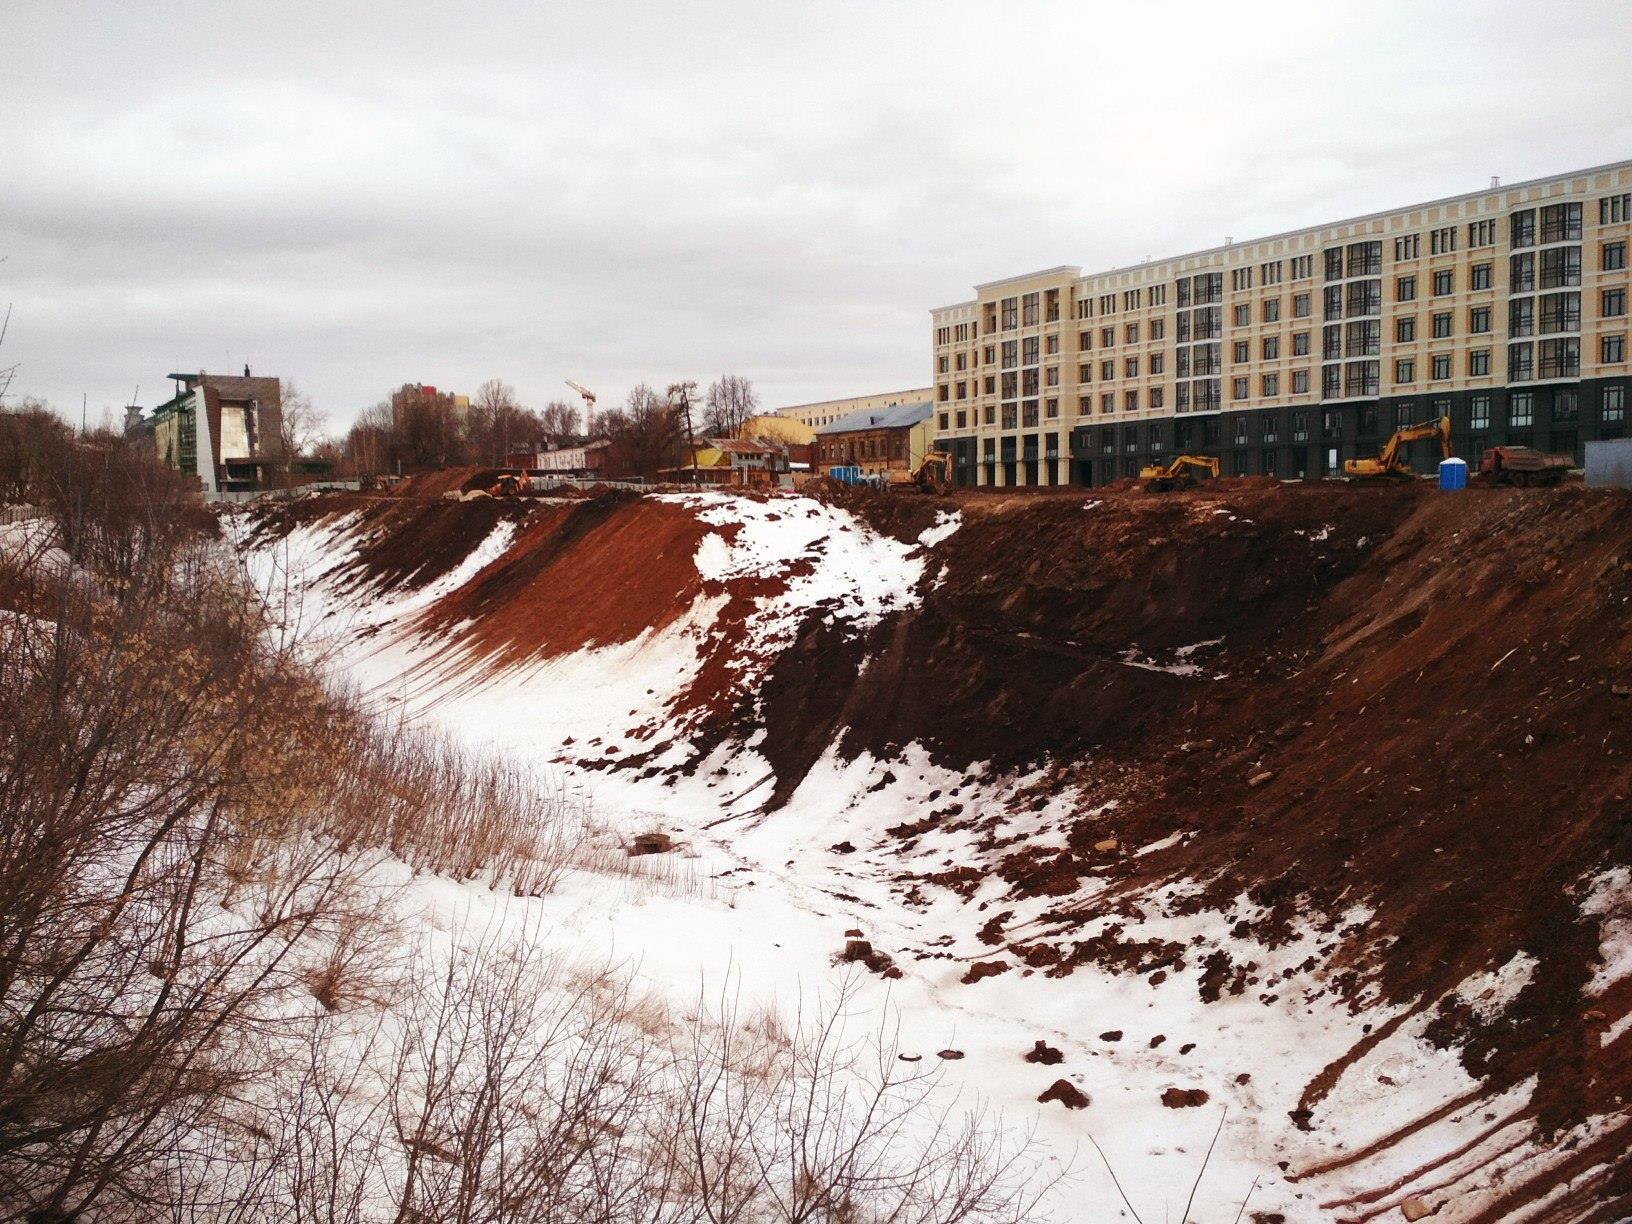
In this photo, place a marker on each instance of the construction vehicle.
(1520, 465)
(1180, 474)
(934, 474)
(510, 485)
(1392, 464)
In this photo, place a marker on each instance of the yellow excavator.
(1180, 474)
(934, 474)
(1392, 464)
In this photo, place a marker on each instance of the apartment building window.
(1560, 312)
(1085, 341)
(1612, 303)
(1333, 303)
(1085, 405)
(1404, 414)
(1107, 371)
(1028, 382)
(1479, 412)
(1521, 317)
(1238, 388)
(963, 390)
(1157, 397)
(1521, 228)
(1011, 384)
(1107, 403)
(1051, 376)
(1303, 267)
(962, 362)
(1612, 258)
(1272, 430)
(945, 391)
(940, 364)
(1158, 362)
(1242, 315)
(1107, 303)
(991, 355)
(989, 415)
(1272, 348)
(989, 384)
(1029, 306)
(1561, 223)
(1405, 370)
(1051, 345)
(1158, 329)
(1560, 358)
(1521, 273)
(1479, 276)
(1011, 354)
(1011, 416)
(1364, 298)
(1521, 362)
(1521, 410)
(1051, 306)
(1272, 310)
(1567, 405)
(1442, 282)
(1300, 427)
(1442, 325)
(1029, 348)
(1300, 306)
(1407, 247)
(1479, 363)
(1130, 401)
(1614, 209)
(1028, 414)
(1131, 368)
(1334, 263)
(1479, 319)
(1271, 272)
(1330, 422)
(1614, 404)
(1300, 344)
(1612, 349)
(1241, 278)
(1300, 382)
(1331, 342)
(1405, 289)
(1443, 241)
(1107, 337)
(1365, 259)
(1131, 298)
(963, 418)
(1482, 233)
(1240, 431)
(1239, 352)
(1158, 295)
(1405, 329)
(1560, 267)
(1131, 333)
(946, 420)
(1271, 385)
(1011, 313)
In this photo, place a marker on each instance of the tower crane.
(589, 404)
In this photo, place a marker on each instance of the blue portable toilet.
(1453, 473)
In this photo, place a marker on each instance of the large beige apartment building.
(1505, 309)
(825, 412)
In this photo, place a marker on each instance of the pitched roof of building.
(897, 416)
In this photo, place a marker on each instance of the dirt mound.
(446, 480)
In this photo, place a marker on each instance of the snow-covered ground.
(759, 902)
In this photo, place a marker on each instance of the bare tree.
(496, 422)
(559, 421)
(646, 434)
(302, 427)
(731, 402)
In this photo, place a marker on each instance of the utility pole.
(683, 390)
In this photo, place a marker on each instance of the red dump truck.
(1520, 465)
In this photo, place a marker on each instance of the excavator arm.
(1389, 463)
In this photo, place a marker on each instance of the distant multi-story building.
(825, 412)
(1505, 309)
(876, 440)
(224, 429)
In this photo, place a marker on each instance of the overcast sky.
(357, 195)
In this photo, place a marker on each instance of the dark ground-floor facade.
(1307, 442)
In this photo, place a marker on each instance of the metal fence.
(229, 496)
(19, 514)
